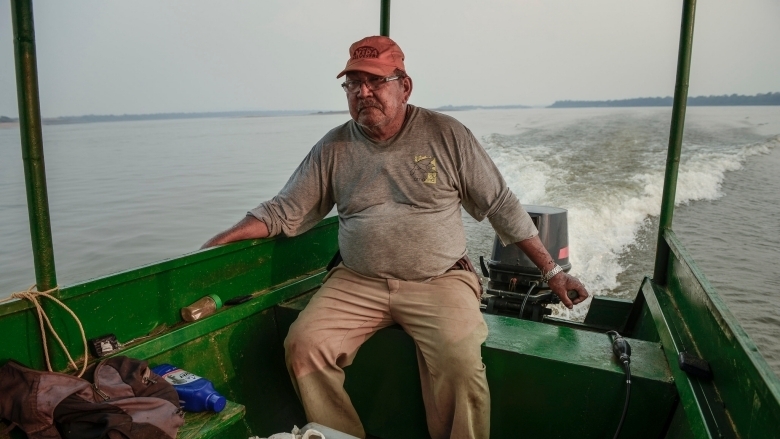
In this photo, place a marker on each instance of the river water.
(124, 194)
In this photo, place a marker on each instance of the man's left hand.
(562, 283)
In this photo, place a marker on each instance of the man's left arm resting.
(562, 282)
(248, 228)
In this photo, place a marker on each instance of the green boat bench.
(207, 425)
(545, 381)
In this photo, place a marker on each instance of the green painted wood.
(608, 312)
(669, 334)
(30, 128)
(187, 332)
(146, 300)
(545, 381)
(675, 139)
(384, 18)
(206, 425)
(549, 381)
(245, 362)
(742, 400)
(745, 394)
(238, 348)
(383, 382)
(640, 322)
(679, 428)
(534, 369)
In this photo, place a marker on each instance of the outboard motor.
(515, 287)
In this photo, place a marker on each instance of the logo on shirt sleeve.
(424, 169)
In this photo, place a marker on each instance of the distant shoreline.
(724, 100)
(92, 118)
(696, 101)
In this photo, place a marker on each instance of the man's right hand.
(248, 228)
(562, 283)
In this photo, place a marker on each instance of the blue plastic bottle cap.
(216, 402)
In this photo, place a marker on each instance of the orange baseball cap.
(376, 55)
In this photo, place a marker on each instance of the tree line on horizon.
(89, 118)
(722, 100)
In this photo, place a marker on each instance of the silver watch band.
(549, 275)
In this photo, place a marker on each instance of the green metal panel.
(549, 381)
(32, 143)
(743, 398)
(238, 348)
(545, 382)
(744, 389)
(207, 425)
(669, 331)
(202, 328)
(245, 361)
(135, 303)
(675, 138)
(384, 386)
(239, 351)
(679, 428)
(383, 382)
(643, 326)
(608, 312)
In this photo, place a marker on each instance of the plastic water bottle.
(196, 394)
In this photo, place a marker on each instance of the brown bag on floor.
(121, 398)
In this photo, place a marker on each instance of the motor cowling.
(510, 262)
(512, 275)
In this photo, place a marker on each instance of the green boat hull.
(550, 379)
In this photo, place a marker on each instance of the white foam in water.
(609, 184)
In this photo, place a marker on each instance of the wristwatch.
(549, 275)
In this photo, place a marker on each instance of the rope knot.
(33, 296)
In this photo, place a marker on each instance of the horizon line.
(567, 103)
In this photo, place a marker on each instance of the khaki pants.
(442, 316)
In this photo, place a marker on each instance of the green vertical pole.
(675, 140)
(32, 143)
(384, 19)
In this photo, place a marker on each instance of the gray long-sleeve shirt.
(399, 200)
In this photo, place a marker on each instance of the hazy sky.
(101, 57)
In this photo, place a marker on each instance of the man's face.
(376, 109)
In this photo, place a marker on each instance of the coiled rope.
(33, 297)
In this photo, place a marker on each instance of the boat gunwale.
(743, 397)
(726, 320)
(93, 285)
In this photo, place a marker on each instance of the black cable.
(527, 293)
(627, 368)
(622, 351)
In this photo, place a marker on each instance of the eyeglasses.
(352, 86)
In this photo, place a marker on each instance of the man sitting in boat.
(398, 175)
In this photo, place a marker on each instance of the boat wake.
(609, 174)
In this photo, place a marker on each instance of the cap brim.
(368, 66)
